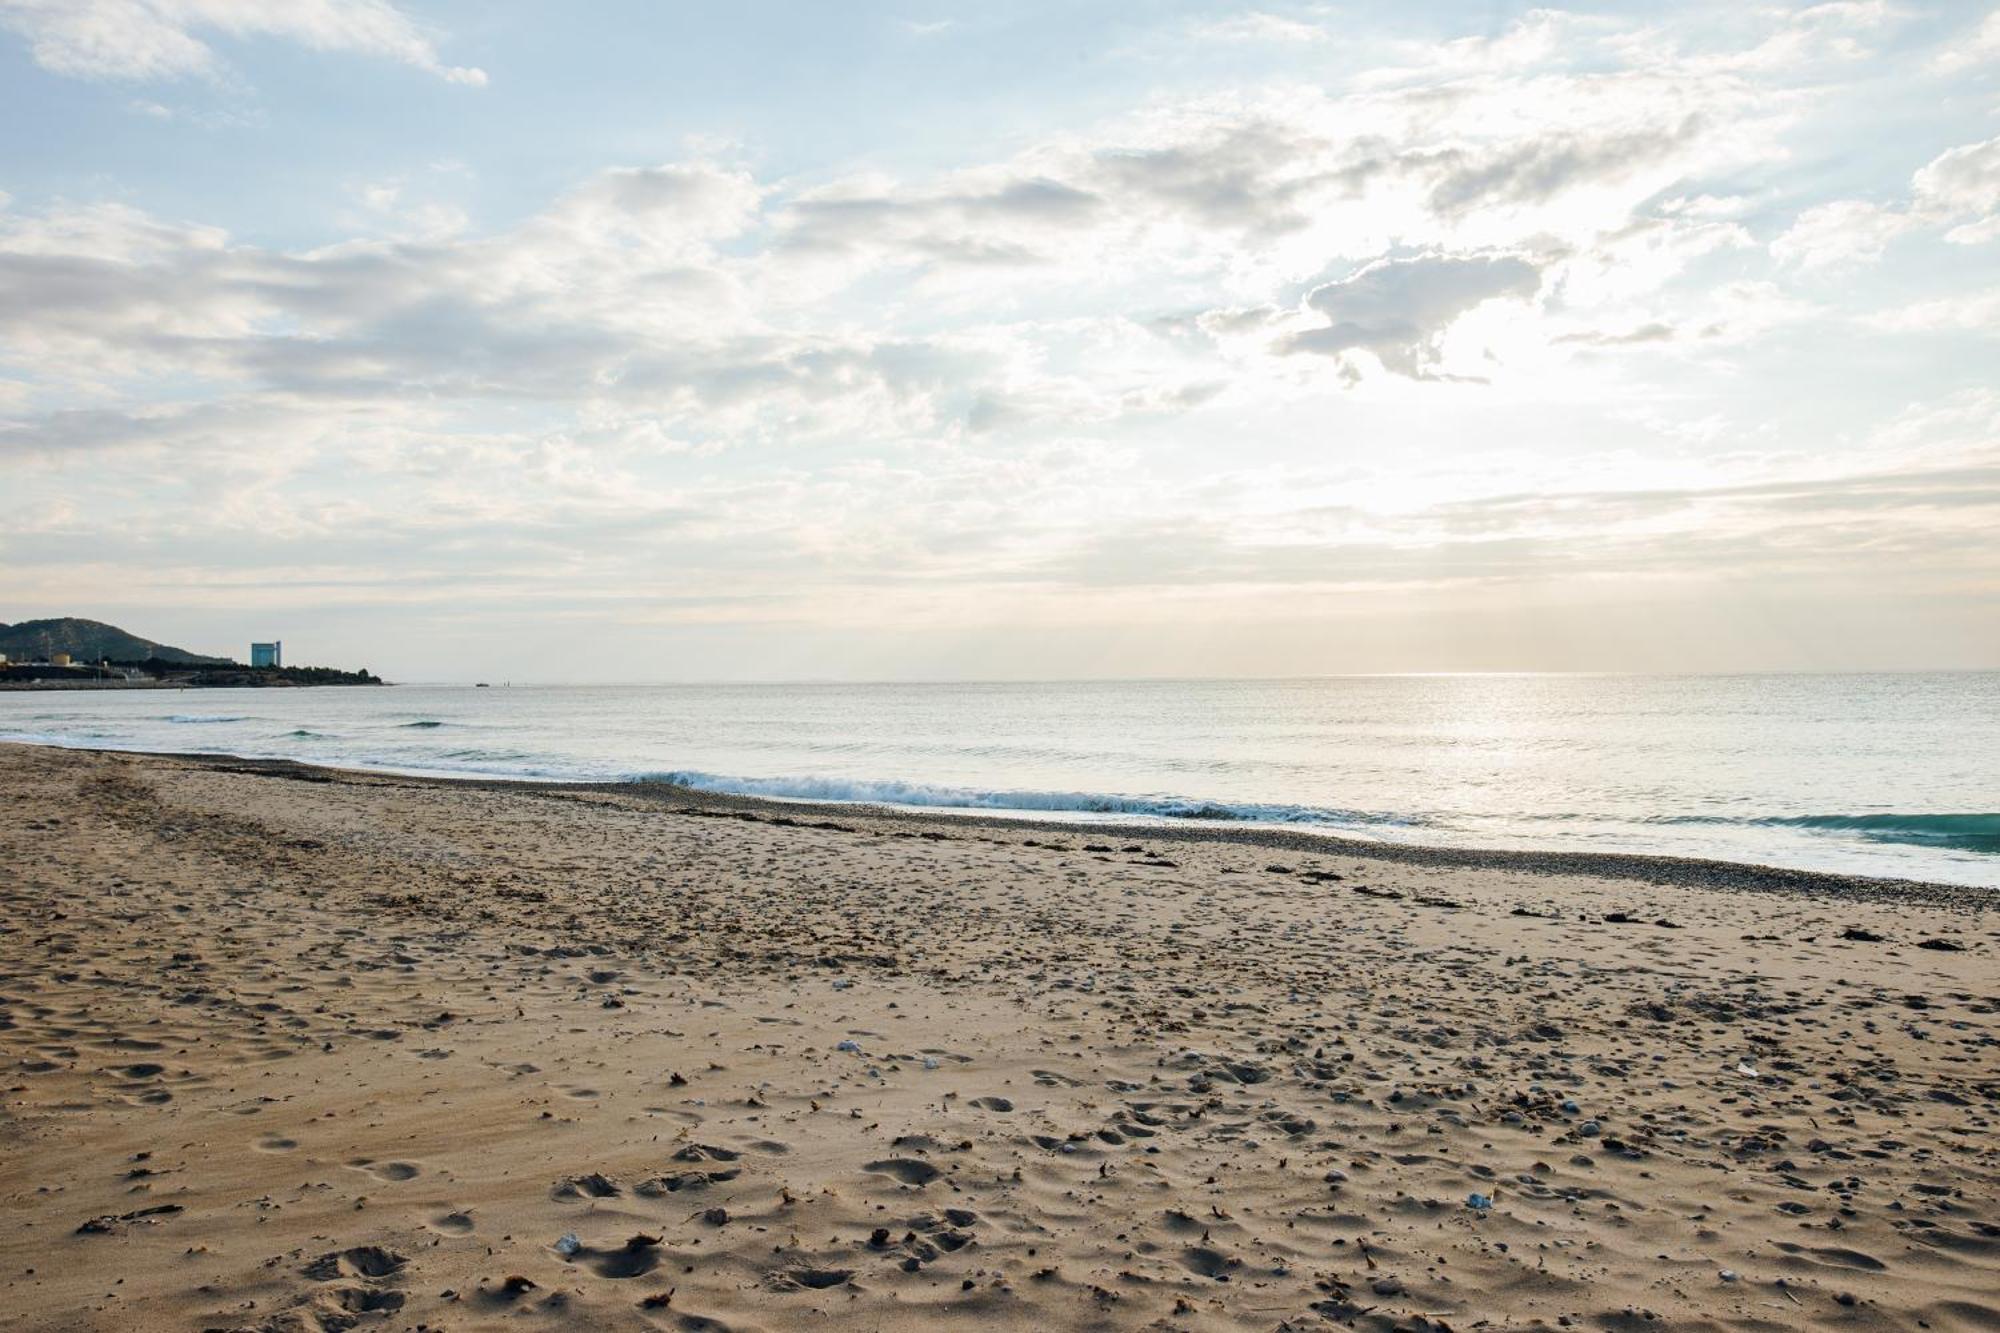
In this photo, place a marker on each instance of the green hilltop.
(91, 641)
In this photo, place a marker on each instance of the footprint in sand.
(685, 1180)
(943, 1054)
(390, 1171)
(592, 1186)
(361, 1261)
(276, 1143)
(637, 1257)
(1208, 1262)
(706, 1152)
(810, 1279)
(906, 1169)
(344, 1301)
(993, 1103)
(458, 1223)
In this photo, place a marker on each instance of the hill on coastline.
(91, 641)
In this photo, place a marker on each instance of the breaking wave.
(1960, 832)
(893, 792)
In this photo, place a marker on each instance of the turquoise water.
(1893, 774)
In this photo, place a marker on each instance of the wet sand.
(292, 1049)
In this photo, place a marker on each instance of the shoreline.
(1686, 872)
(59, 686)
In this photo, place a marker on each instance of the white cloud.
(1970, 312)
(719, 302)
(1847, 231)
(1281, 186)
(1836, 31)
(721, 305)
(1136, 353)
(157, 39)
(1973, 48)
(1963, 183)
(1537, 38)
(1959, 190)
(1400, 309)
(1258, 26)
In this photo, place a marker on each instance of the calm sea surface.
(1872, 774)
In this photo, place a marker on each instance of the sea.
(1876, 774)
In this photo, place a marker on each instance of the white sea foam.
(933, 795)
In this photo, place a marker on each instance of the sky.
(635, 341)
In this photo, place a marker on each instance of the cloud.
(1821, 524)
(1197, 347)
(1969, 312)
(725, 303)
(1545, 167)
(1258, 26)
(1400, 309)
(1832, 31)
(1654, 332)
(736, 310)
(1539, 37)
(1847, 231)
(1980, 45)
(1242, 174)
(144, 40)
(1959, 186)
(1270, 189)
(1963, 183)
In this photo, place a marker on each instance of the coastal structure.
(267, 654)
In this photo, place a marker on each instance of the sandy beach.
(288, 1049)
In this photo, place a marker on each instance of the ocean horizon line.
(1496, 673)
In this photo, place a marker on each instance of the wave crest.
(1968, 832)
(894, 792)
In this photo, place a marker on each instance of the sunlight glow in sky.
(627, 341)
